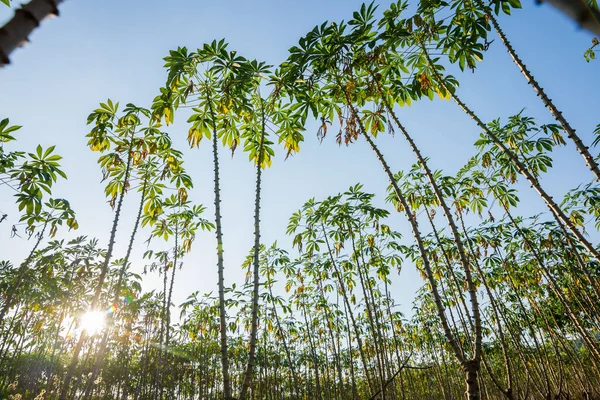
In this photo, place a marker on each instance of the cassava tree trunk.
(16, 31)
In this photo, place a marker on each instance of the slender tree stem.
(554, 208)
(548, 103)
(256, 264)
(220, 266)
(117, 292)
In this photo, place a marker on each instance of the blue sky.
(114, 49)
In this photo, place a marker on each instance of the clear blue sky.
(114, 49)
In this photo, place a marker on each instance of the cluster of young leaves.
(532, 143)
(224, 91)
(136, 150)
(182, 218)
(32, 176)
(7, 159)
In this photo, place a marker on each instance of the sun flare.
(92, 322)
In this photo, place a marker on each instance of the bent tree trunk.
(477, 330)
(581, 147)
(471, 367)
(16, 31)
(508, 390)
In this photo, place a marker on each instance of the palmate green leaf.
(544, 144)
(540, 162)
(5, 129)
(182, 180)
(477, 204)
(31, 202)
(164, 105)
(6, 2)
(109, 107)
(48, 151)
(577, 218)
(374, 121)
(230, 136)
(113, 188)
(99, 140)
(201, 127)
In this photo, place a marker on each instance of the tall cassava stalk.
(220, 266)
(285, 344)
(571, 134)
(158, 388)
(342, 286)
(327, 321)
(369, 311)
(554, 208)
(349, 343)
(255, 262)
(345, 296)
(450, 219)
(64, 312)
(448, 262)
(169, 298)
(101, 354)
(313, 351)
(508, 391)
(20, 275)
(16, 32)
(470, 366)
(103, 272)
(8, 335)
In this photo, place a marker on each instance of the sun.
(92, 322)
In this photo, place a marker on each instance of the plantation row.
(509, 306)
